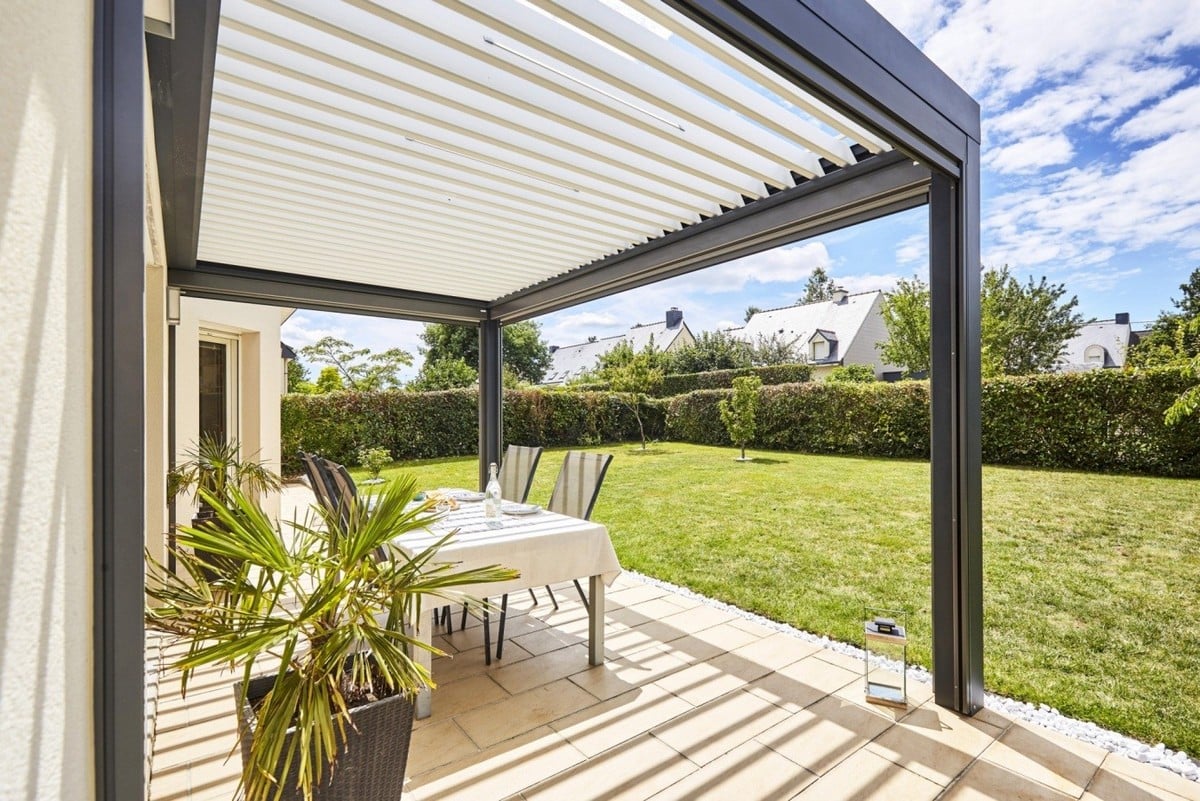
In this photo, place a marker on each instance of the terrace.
(482, 164)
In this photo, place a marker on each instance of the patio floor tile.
(498, 772)
(493, 723)
(750, 772)
(802, 683)
(825, 733)
(602, 726)
(705, 681)
(620, 675)
(934, 742)
(633, 771)
(1047, 757)
(716, 728)
(1147, 775)
(537, 670)
(865, 775)
(987, 781)
(438, 744)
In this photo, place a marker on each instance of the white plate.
(462, 494)
(520, 508)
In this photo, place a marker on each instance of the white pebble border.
(1041, 714)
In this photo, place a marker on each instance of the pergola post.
(491, 397)
(956, 465)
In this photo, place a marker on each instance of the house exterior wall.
(45, 401)
(259, 381)
(873, 331)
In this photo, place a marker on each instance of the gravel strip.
(1041, 714)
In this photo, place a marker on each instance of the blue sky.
(1091, 174)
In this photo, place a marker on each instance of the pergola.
(479, 162)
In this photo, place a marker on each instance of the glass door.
(218, 387)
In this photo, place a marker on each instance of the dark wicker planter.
(372, 766)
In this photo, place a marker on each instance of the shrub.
(851, 374)
(374, 459)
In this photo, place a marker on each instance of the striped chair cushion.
(516, 472)
(578, 483)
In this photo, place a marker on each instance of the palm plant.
(214, 466)
(332, 612)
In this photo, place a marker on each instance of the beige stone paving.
(693, 703)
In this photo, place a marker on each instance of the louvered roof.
(474, 149)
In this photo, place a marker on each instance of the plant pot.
(370, 768)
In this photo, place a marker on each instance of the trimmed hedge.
(864, 419)
(423, 425)
(1103, 420)
(682, 383)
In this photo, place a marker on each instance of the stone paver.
(693, 703)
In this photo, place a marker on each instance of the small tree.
(358, 369)
(374, 459)
(297, 378)
(775, 349)
(906, 314)
(446, 373)
(1188, 402)
(632, 375)
(329, 381)
(711, 351)
(738, 411)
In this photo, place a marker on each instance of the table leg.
(596, 620)
(424, 701)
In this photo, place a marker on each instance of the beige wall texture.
(259, 381)
(45, 401)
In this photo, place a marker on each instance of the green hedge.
(865, 419)
(422, 425)
(1104, 420)
(682, 383)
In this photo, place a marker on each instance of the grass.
(1091, 582)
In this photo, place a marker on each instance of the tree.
(1024, 327)
(1188, 401)
(738, 411)
(750, 312)
(632, 375)
(297, 378)
(443, 374)
(906, 314)
(819, 286)
(1175, 336)
(719, 350)
(523, 349)
(328, 381)
(775, 349)
(358, 368)
(852, 374)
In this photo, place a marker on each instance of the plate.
(462, 494)
(520, 508)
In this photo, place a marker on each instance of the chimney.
(674, 317)
(839, 295)
(1122, 318)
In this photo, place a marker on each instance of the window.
(218, 386)
(1094, 355)
(820, 350)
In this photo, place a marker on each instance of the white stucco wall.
(45, 401)
(259, 381)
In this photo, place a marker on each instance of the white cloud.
(1175, 114)
(913, 250)
(869, 282)
(1100, 281)
(305, 328)
(782, 265)
(1032, 154)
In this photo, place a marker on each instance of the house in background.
(843, 330)
(230, 370)
(572, 361)
(1098, 345)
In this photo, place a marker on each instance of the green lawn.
(1092, 582)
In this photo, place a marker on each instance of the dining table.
(544, 546)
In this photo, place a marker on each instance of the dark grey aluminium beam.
(853, 59)
(491, 397)
(956, 466)
(230, 282)
(118, 419)
(881, 185)
(181, 79)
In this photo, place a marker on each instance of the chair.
(334, 487)
(575, 493)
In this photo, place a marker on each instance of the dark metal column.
(955, 458)
(491, 397)
(118, 419)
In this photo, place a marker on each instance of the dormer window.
(820, 350)
(1094, 355)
